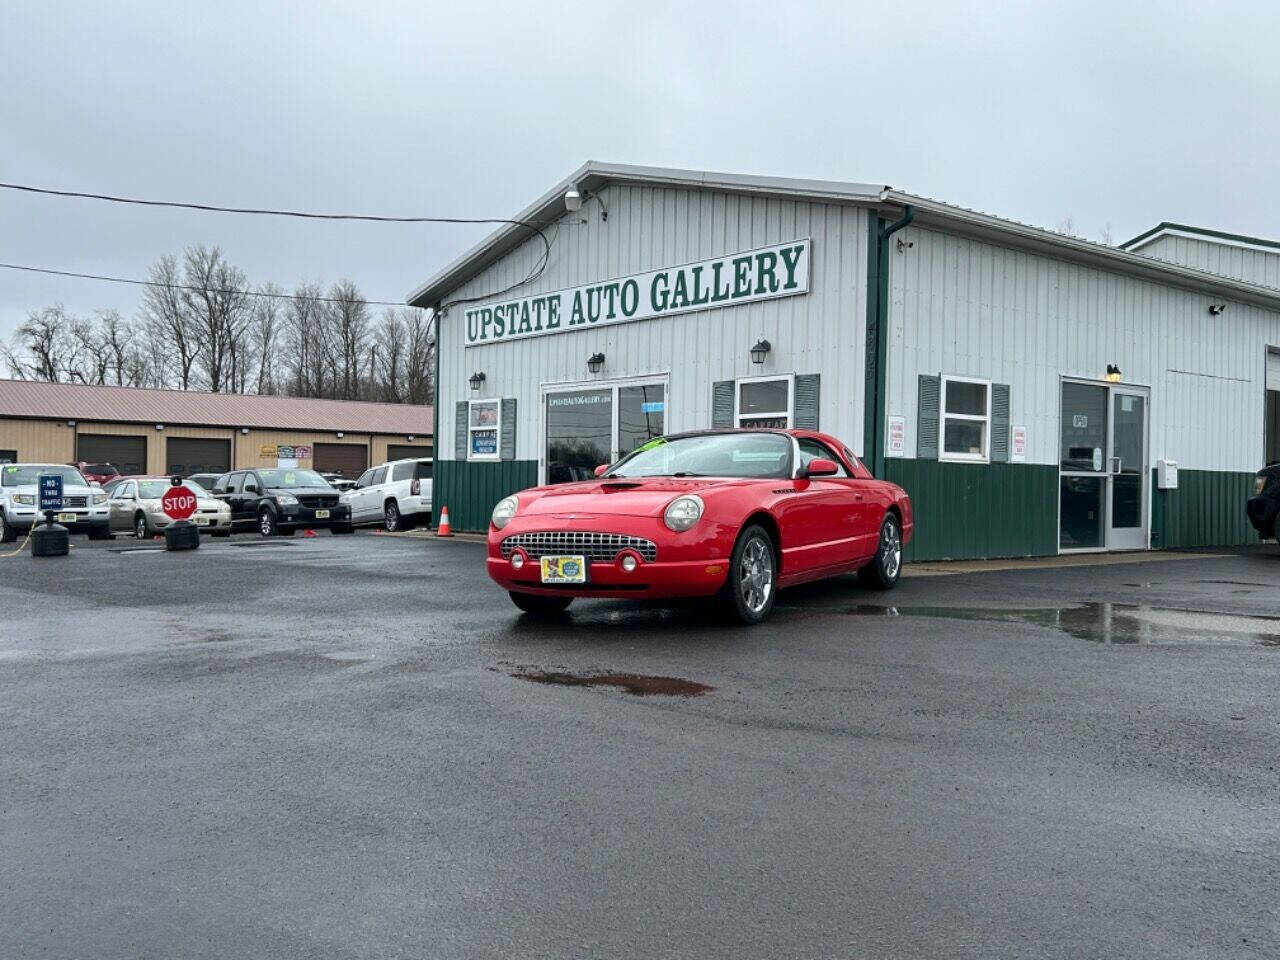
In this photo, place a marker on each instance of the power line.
(194, 289)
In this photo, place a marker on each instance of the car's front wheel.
(141, 528)
(753, 576)
(267, 525)
(540, 606)
(883, 571)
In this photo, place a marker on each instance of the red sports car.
(730, 513)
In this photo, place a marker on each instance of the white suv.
(84, 508)
(395, 494)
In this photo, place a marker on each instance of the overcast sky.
(1111, 112)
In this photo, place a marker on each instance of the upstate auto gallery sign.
(763, 274)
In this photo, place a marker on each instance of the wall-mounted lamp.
(1216, 309)
(477, 379)
(760, 351)
(159, 426)
(409, 438)
(244, 431)
(595, 362)
(71, 423)
(572, 199)
(340, 434)
(1113, 373)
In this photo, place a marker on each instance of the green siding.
(1207, 510)
(966, 511)
(470, 490)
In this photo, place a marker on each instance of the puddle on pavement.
(636, 684)
(1114, 623)
(260, 543)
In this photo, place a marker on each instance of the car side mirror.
(602, 469)
(821, 467)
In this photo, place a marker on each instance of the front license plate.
(322, 514)
(66, 518)
(200, 521)
(564, 569)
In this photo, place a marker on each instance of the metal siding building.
(1034, 319)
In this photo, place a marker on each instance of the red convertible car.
(735, 514)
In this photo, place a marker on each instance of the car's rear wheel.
(753, 576)
(141, 528)
(267, 525)
(7, 533)
(540, 606)
(883, 571)
(391, 517)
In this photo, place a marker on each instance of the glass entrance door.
(587, 426)
(1104, 486)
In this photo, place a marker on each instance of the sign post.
(52, 539)
(179, 503)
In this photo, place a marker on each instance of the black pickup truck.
(1264, 505)
(280, 501)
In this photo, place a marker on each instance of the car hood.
(629, 496)
(69, 490)
(302, 491)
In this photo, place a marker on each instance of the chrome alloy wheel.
(891, 549)
(756, 575)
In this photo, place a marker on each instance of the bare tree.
(348, 325)
(1107, 235)
(169, 326)
(306, 343)
(264, 336)
(216, 301)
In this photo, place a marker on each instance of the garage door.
(126, 454)
(348, 459)
(188, 455)
(402, 452)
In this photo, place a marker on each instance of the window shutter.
(927, 417)
(461, 412)
(806, 405)
(722, 403)
(999, 423)
(507, 442)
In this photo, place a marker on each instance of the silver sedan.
(135, 507)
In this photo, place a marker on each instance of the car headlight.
(99, 498)
(26, 499)
(1258, 485)
(286, 501)
(504, 511)
(683, 512)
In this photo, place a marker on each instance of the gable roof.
(33, 399)
(1167, 228)
(592, 175)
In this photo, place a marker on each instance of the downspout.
(878, 341)
(435, 417)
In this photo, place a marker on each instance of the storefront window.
(765, 403)
(579, 434)
(966, 418)
(485, 420)
(642, 415)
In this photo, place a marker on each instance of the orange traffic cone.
(309, 533)
(443, 530)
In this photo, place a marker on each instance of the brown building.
(186, 432)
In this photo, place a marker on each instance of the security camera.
(1217, 308)
(572, 199)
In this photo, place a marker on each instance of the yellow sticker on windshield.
(290, 480)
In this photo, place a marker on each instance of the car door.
(827, 513)
(376, 493)
(120, 506)
(232, 492)
(252, 491)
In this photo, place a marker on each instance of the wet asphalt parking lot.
(353, 747)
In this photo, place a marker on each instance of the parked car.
(280, 501)
(396, 495)
(84, 507)
(205, 480)
(100, 473)
(736, 514)
(1264, 506)
(339, 482)
(136, 508)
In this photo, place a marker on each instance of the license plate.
(200, 521)
(322, 514)
(564, 569)
(66, 518)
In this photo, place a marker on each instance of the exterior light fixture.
(595, 362)
(340, 434)
(244, 431)
(572, 199)
(1113, 373)
(71, 423)
(760, 351)
(159, 426)
(1216, 309)
(477, 379)
(409, 438)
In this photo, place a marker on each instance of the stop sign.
(178, 503)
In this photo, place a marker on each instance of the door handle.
(1116, 465)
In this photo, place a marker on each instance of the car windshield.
(154, 489)
(742, 454)
(293, 478)
(14, 475)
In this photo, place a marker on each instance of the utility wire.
(536, 272)
(194, 289)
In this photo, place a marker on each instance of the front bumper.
(86, 518)
(300, 516)
(690, 578)
(205, 521)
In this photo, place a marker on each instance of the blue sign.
(50, 491)
(652, 406)
(484, 443)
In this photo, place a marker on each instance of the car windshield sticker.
(653, 444)
(290, 480)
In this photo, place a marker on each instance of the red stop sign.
(178, 503)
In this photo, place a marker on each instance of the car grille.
(318, 500)
(596, 547)
(75, 501)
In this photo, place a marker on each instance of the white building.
(1024, 386)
